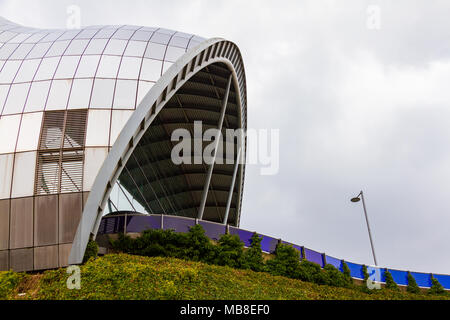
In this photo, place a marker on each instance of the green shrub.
(193, 245)
(334, 277)
(198, 245)
(364, 287)
(286, 261)
(365, 273)
(9, 280)
(390, 283)
(436, 287)
(160, 243)
(309, 271)
(128, 277)
(347, 275)
(253, 258)
(229, 251)
(412, 285)
(123, 243)
(91, 251)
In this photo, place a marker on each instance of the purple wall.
(268, 244)
(141, 223)
(314, 256)
(244, 235)
(213, 230)
(334, 262)
(114, 224)
(178, 224)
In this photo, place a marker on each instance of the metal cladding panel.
(244, 235)
(400, 277)
(45, 257)
(177, 224)
(4, 260)
(334, 262)
(444, 280)
(45, 220)
(422, 279)
(355, 270)
(70, 209)
(213, 230)
(63, 254)
(141, 223)
(4, 224)
(21, 259)
(268, 244)
(314, 256)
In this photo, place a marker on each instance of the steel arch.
(215, 50)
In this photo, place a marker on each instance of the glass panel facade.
(30, 128)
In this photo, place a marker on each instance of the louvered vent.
(60, 154)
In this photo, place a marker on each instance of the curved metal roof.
(136, 85)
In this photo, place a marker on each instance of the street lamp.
(356, 199)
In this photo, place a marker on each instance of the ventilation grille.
(61, 152)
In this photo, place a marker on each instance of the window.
(108, 67)
(151, 70)
(173, 53)
(57, 48)
(125, 94)
(88, 66)
(66, 67)
(61, 152)
(129, 68)
(135, 48)
(27, 71)
(16, 98)
(155, 51)
(115, 47)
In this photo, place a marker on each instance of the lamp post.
(356, 199)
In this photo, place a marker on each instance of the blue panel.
(142, 223)
(443, 279)
(268, 244)
(314, 256)
(355, 270)
(334, 262)
(213, 230)
(115, 224)
(422, 279)
(244, 235)
(178, 224)
(400, 277)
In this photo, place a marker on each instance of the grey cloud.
(311, 70)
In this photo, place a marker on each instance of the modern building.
(86, 119)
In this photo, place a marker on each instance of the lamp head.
(355, 199)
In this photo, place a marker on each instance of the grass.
(122, 276)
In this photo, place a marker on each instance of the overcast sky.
(357, 108)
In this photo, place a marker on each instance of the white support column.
(233, 181)
(211, 166)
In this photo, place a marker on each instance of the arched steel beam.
(209, 52)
